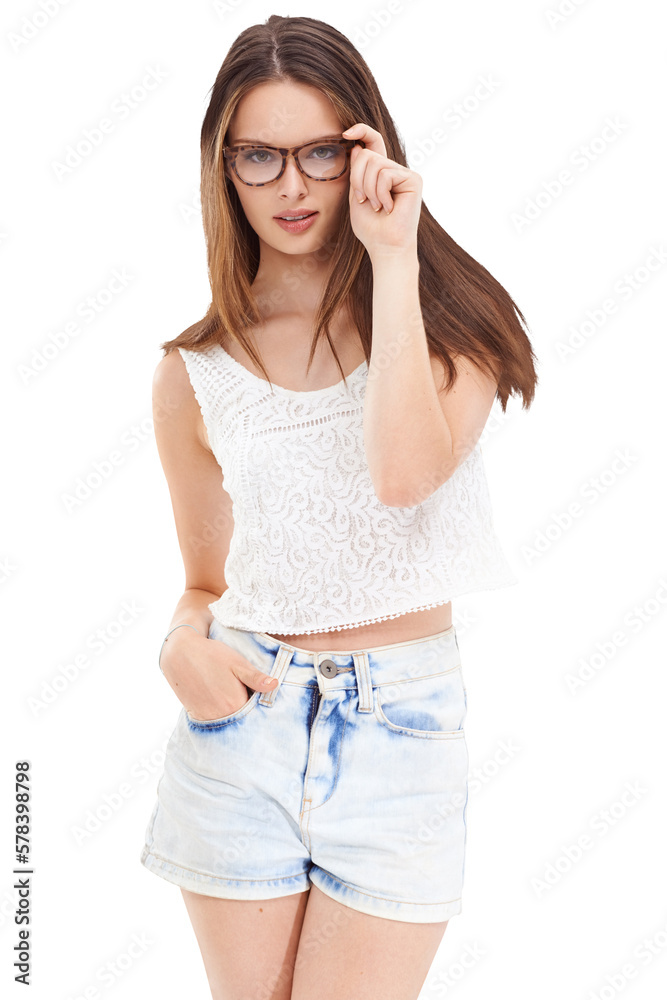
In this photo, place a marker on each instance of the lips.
(298, 225)
(289, 217)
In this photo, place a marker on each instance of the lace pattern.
(313, 548)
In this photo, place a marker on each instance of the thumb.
(254, 678)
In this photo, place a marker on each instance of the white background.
(593, 588)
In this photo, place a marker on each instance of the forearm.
(407, 440)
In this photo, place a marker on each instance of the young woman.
(319, 433)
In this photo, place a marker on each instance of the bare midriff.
(413, 625)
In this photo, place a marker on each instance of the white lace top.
(313, 549)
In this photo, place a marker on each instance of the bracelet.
(183, 625)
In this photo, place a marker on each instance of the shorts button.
(328, 668)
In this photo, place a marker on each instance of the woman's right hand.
(209, 678)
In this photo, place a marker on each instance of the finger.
(365, 178)
(376, 171)
(364, 169)
(370, 136)
(384, 185)
(357, 177)
(261, 681)
(379, 179)
(253, 678)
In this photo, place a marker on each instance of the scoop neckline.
(290, 392)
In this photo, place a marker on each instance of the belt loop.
(364, 682)
(279, 669)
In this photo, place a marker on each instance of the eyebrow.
(260, 142)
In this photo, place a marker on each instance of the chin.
(307, 243)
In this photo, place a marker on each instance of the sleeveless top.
(313, 549)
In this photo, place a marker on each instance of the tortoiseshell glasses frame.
(231, 152)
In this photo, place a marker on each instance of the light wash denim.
(353, 779)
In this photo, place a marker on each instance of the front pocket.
(432, 707)
(224, 720)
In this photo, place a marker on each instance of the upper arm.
(466, 405)
(202, 507)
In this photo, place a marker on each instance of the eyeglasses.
(324, 160)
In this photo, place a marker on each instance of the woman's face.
(288, 114)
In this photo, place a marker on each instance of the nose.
(292, 181)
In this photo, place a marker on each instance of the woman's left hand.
(386, 217)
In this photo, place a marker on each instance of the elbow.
(408, 484)
(404, 492)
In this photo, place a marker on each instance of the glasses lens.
(323, 159)
(259, 165)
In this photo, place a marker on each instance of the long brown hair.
(465, 310)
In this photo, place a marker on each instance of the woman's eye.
(323, 152)
(258, 155)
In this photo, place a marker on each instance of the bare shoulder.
(171, 377)
(174, 400)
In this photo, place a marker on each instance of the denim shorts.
(352, 775)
